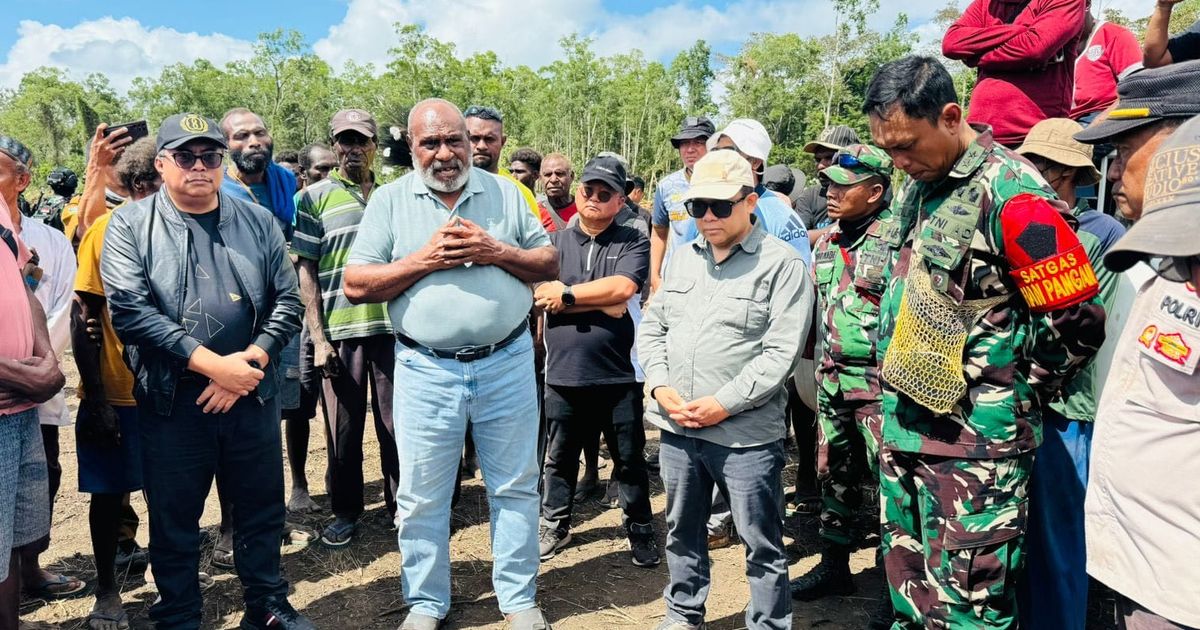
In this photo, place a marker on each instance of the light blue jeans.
(435, 401)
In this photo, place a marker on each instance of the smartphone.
(135, 130)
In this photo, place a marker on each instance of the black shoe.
(131, 557)
(831, 576)
(642, 545)
(882, 616)
(275, 613)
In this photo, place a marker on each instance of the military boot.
(831, 576)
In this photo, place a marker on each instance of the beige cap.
(720, 174)
(1054, 140)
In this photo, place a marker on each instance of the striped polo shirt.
(327, 218)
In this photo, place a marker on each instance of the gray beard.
(434, 183)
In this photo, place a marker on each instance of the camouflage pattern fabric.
(851, 268)
(1014, 361)
(953, 538)
(953, 485)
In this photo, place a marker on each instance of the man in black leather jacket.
(203, 295)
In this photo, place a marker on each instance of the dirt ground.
(590, 584)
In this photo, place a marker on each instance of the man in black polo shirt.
(590, 382)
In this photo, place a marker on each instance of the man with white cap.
(1054, 595)
(717, 344)
(1143, 504)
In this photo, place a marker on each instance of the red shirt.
(1109, 54)
(564, 214)
(1023, 52)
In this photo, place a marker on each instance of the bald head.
(437, 134)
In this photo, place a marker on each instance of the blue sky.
(124, 39)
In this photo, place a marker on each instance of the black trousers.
(575, 415)
(181, 455)
(366, 362)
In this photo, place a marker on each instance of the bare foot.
(301, 502)
(108, 614)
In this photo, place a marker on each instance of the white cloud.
(119, 48)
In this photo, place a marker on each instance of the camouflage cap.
(834, 138)
(857, 163)
(15, 150)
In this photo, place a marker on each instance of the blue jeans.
(750, 479)
(1054, 593)
(435, 401)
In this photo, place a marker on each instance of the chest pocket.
(743, 309)
(676, 292)
(946, 236)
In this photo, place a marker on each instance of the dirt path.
(591, 584)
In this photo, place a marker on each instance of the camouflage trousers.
(847, 452)
(953, 538)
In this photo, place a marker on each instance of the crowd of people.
(988, 318)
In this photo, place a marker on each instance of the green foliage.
(579, 105)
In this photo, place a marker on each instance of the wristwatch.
(568, 297)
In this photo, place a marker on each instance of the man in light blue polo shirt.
(452, 250)
(669, 220)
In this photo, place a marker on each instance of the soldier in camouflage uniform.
(990, 306)
(851, 262)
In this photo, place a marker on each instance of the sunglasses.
(1175, 269)
(186, 159)
(846, 160)
(720, 208)
(599, 194)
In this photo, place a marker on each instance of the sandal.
(339, 533)
(223, 558)
(122, 620)
(297, 535)
(58, 587)
(807, 506)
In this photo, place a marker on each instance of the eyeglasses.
(186, 159)
(599, 194)
(721, 208)
(1175, 269)
(847, 160)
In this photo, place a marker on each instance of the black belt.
(468, 354)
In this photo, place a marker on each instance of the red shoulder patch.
(1049, 264)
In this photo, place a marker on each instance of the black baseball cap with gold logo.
(180, 129)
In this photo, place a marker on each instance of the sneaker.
(671, 624)
(831, 576)
(550, 541)
(528, 619)
(275, 613)
(417, 621)
(339, 533)
(721, 539)
(612, 495)
(642, 545)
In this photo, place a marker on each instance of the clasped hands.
(461, 242)
(233, 378)
(696, 414)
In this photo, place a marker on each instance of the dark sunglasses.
(186, 159)
(1175, 269)
(721, 208)
(846, 160)
(599, 194)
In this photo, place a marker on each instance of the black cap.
(606, 169)
(181, 129)
(694, 127)
(1147, 96)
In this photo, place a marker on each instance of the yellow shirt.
(118, 380)
(528, 194)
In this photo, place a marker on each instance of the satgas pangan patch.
(1064, 279)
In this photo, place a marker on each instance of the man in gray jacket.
(720, 338)
(203, 295)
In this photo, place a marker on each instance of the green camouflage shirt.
(1014, 360)
(851, 268)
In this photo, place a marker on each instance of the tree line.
(578, 105)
